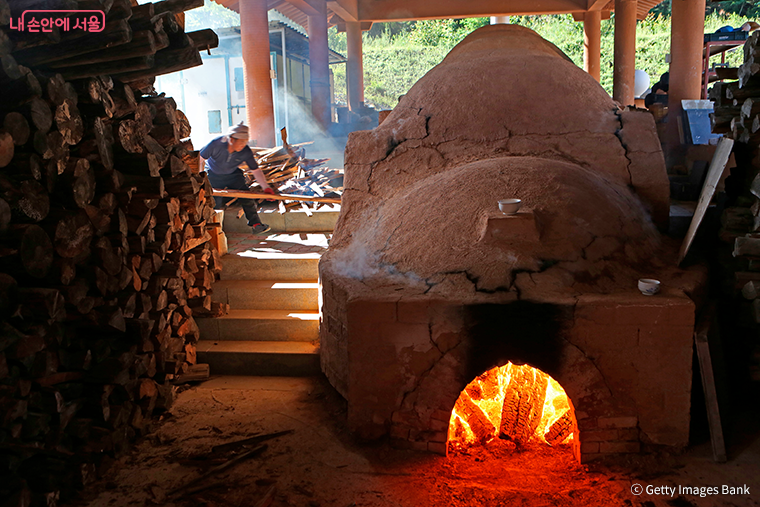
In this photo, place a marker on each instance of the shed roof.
(402, 10)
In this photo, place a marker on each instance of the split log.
(34, 250)
(166, 61)
(129, 136)
(95, 100)
(204, 40)
(7, 148)
(143, 43)
(16, 125)
(77, 182)
(69, 122)
(73, 234)
(183, 127)
(58, 90)
(124, 99)
(37, 113)
(6, 44)
(115, 33)
(21, 90)
(28, 201)
(146, 186)
(9, 69)
(136, 64)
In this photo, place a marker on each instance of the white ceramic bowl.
(509, 206)
(649, 286)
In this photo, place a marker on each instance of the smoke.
(356, 261)
(302, 127)
(359, 262)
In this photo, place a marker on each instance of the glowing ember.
(518, 403)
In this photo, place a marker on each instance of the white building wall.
(204, 90)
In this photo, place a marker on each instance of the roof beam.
(581, 16)
(348, 10)
(305, 7)
(403, 10)
(596, 5)
(273, 4)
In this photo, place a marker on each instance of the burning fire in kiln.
(517, 403)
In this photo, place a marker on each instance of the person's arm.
(204, 154)
(257, 173)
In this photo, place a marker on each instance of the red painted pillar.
(592, 43)
(318, 64)
(625, 51)
(354, 66)
(259, 105)
(686, 43)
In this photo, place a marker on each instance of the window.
(215, 122)
(239, 82)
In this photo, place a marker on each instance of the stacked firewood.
(105, 253)
(737, 115)
(737, 103)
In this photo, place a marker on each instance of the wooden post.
(625, 51)
(354, 67)
(259, 104)
(318, 64)
(592, 40)
(686, 41)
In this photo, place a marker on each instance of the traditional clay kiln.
(427, 285)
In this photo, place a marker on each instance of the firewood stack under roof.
(737, 116)
(107, 235)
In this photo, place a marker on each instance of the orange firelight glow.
(518, 403)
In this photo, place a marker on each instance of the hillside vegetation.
(396, 55)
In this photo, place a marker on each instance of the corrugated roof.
(277, 16)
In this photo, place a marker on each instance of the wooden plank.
(242, 194)
(717, 166)
(702, 342)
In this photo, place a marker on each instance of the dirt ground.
(321, 465)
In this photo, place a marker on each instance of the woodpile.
(105, 233)
(289, 172)
(737, 115)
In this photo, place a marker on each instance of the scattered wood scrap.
(296, 178)
(220, 468)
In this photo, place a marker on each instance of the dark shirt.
(221, 161)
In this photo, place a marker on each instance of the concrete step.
(283, 268)
(291, 359)
(262, 325)
(268, 294)
(290, 222)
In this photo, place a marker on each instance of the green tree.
(749, 8)
(395, 59)
(211, 15)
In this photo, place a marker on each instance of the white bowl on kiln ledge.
(509, 206)
(649, 286)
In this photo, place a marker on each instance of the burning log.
(516, 411)
(560, 430)
(523, 406)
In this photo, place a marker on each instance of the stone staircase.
(273, 325)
